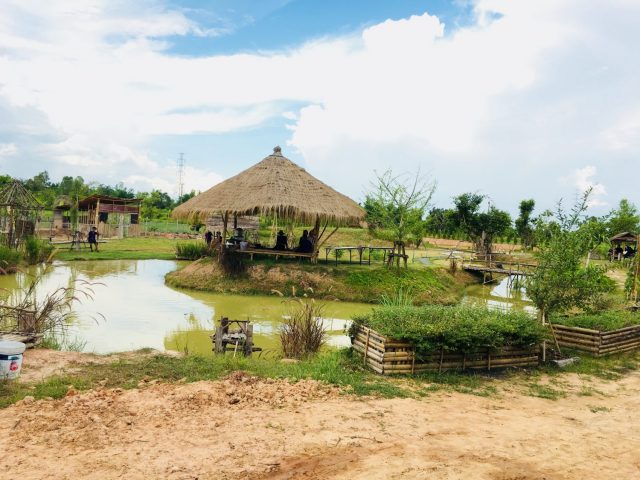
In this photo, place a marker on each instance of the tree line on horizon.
(155, 204)
(399, 207)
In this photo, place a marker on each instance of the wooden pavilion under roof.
(279, 189)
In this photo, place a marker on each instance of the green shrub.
(457, 328)
(191, 250)
(36, 250)
(9, 259)
(604, 321)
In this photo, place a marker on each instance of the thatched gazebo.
(278, 188)
(19, 214)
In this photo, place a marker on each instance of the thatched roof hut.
(274, 187)
(624, 237)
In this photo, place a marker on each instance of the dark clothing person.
(629, 252)
(305, 245)
(618, 251)
(92, 238)
(281, 241)
(208, 237)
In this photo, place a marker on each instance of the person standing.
(92, 238)
(208, 237)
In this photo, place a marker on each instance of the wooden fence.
(597, 342)
(389, 356)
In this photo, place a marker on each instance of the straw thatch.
(274, 187)
(627, 237)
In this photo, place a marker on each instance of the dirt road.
(243, 427)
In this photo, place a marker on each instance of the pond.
(499, 295)
(140, 311)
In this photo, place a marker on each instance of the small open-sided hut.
(278, 188)
(624, 237)
(19, 214)
(112, 216)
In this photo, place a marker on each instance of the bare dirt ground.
(243, 427)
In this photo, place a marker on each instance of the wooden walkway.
(495, 269)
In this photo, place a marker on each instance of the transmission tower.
(181, 175)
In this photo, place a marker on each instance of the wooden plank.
(557, 327)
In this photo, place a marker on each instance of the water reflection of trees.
(102, 268)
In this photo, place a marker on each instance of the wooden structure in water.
(596, 342)
(388, 356)
(19, 325)
(490, 266)
(238, 340)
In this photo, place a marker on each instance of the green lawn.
(132, 248)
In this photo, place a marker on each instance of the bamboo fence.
(390, 356)
(596, 342)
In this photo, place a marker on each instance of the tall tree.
(480, 227)
(624, 219)
(398, 203)
(561, 280)
(524, 226)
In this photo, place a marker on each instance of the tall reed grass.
(302, 333)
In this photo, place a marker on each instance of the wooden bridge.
(489, 266)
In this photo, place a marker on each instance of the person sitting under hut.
(628, 251)
(305, 245)
(618, 251)
(281, 241)
(208, 237)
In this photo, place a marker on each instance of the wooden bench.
(275, 253)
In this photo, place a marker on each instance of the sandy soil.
(40, 363)
(243, 427)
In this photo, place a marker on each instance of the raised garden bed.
(598, 342)
(390, 356)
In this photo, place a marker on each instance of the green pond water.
(499, 296)
(132, 307)
(140, 311)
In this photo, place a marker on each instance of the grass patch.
(545, 391)
(611, 367)
(355, 283)
(131, 248)
(595, 409)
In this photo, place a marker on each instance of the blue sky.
(511, 99)
(248, 26)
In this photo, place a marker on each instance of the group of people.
(213, 240)
(619, 253)
(305, 244)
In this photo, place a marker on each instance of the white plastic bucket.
(10, 359)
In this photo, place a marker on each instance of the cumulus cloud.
(583, 180)
(527, 92)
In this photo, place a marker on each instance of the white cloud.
(583, 179)
(8, 149)
(164, 178)
(529, 90)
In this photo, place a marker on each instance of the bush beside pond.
(603, 321)
(463, 329)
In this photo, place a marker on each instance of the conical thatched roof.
(275, 186)
(15, 195)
